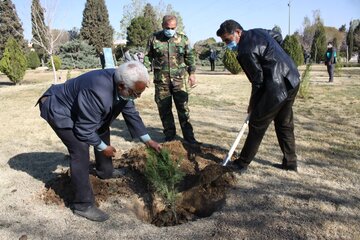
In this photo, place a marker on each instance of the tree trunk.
(53, 68)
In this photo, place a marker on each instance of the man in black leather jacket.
(275, 82)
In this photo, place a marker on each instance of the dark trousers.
(79, 166)
(212, 65)
(330, 69)
(167, 118)
(284, 127)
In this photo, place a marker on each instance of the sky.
(202, 18)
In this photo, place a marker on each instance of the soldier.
(170, 54)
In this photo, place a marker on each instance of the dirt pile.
(202, 191)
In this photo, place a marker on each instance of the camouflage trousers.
(164, 94)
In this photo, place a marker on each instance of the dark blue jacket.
(268, 67)
(87, 104)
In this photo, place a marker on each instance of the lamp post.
(289, 16)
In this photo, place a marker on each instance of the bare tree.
(44, 28)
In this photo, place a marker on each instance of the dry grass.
(321, 201)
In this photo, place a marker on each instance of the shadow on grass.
(40, 165)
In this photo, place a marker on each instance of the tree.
(95, 26)
(342, 28)
(131, 11)
(350, 40)
(318, 47)
(292, 46)
(139, 8)
(78, 54)
(139, 32)
(74, 33)
(43, 35)
(10, 25)
(350, 37)
(150, 16)
(13, 63)
(39, 29)
(307, 35)
(356, 37)
(33, 60)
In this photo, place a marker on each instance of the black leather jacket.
(268, 67)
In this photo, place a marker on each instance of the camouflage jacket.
(170, 57)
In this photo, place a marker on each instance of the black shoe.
(117, 172)
(238, 167)
(291, 167)
(92, 213)
(169, 139)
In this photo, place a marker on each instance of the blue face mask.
(169, 32)
(232, 46)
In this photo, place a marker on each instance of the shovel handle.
(237, 140)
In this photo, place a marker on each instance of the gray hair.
(131, 72)
(168, 18)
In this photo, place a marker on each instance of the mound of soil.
(202, 191)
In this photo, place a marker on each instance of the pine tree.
(318, 47)
(78, 54)
(350, 39)
(13, 63)
(150, 16)
(95, 26)
(139, 32)
(292, 46)
(33, 60)
(10, 25)
(39, 29)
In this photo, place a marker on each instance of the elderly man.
(171, 57)
(275, 82)
(80, 112)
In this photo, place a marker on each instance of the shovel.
(237, 140)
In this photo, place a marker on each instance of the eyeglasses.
(134, 93)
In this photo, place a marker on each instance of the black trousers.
(212, 65)
(330, 69)
(79, 166)
(284, 127)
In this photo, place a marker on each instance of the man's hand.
(192, 80)
(154, 145)
(109, 151)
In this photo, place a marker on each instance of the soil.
(201, 192)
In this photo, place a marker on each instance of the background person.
(330, 60)
(212, 59)
(80, 112)
(275, 82)
(171, 57)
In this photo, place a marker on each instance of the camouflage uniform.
(171, 59)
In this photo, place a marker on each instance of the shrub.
(305, 82)
(163, 173)
(33, 60)
(230, 62)
(57, 63)
(13, 63)
(292, 47)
